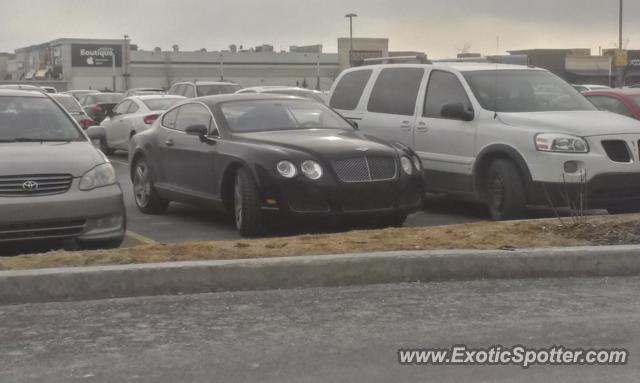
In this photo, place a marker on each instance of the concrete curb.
(82, 283)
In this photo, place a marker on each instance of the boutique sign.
(92, 55)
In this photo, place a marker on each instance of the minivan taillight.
(150, 118)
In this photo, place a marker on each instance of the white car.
(508, 135)
(133, 115)
(286, 90)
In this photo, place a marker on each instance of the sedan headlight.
(407, 166)
(101, 175)
(287, 169)
(311, 169)
(564, 143)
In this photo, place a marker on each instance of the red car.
(624, 101)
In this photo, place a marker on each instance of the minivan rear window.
(395, 91)
(347, 93)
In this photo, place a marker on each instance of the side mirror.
(354, 124)
(456, 111)
(197, 130)
(96, 133)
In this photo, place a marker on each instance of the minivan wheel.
(246, 205)
(104, 147)
(504, 191)
(145, 194)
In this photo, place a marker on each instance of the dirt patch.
(602, 230)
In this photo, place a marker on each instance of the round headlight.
(287, 169)
(311, 169)
(407, 166)
(417, 162)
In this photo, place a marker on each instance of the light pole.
(620, 79)
(350, 16)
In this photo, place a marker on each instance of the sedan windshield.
(269, 115)
(162, 103)
(213, 89)
(524, 91)
(34, 119)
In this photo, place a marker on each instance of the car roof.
(216, 99)
(458, 66)
(61, 95)
(207, 82)
(143, 97)
(269, 88)
(12, 92)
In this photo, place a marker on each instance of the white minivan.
(508, 135)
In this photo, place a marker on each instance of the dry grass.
(482, 235)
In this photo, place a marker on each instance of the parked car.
(586, 87)
(78, 93)
(99, 105)
(71, 105)
(622, 101)
(203, 88)
(132, 116)
(256, 155)
(508, 135)
(143, 91)
(54, 184)
(287, 90)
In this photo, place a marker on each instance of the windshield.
(269, 115)
(34, 119)
(161, 103)
(524, 91)
(103, 98)
(213, 89)
(69, 103)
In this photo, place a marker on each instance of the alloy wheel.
(238, 202)
(142, 185)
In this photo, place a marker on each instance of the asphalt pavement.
(348, 334)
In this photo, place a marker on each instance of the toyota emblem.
(30, 186)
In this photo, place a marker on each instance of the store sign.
(93, 55)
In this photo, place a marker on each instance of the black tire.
(246, 205)
(144, 193)
(105, 147)
(97, 245)
(626, 209)
(395, 220)
(504, 191)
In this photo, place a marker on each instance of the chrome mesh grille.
(365, 169)
(34, 185)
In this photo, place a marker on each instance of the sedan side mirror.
(96, 133)
(456, 111)
(354, 124)
(197, 130)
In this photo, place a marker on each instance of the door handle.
(405, 125)
(422, 127)
(169, 142)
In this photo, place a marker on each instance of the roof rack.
(419, 59)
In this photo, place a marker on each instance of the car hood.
(581, 123)
(323, 143)
(75, 158)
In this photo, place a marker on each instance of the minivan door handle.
(405, 125)
(422, 127)
(169, 142)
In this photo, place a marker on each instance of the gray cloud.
(437, 27)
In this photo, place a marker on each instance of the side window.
(193, 114)
(174, 89)
(133, 108)
(395, 91)
(169, 118)
(347, 93)
(122, 107)
(189, 91)
(611, 104)
(444, 88)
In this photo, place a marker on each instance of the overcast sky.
(437, 27)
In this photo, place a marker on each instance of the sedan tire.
(144, 192)
(104, 147)
(246, 205)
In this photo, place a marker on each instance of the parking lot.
(186, 223)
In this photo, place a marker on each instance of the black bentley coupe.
(256, 155)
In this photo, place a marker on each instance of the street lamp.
(350, 16)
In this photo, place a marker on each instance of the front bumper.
(96, 215)
(304, 197)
